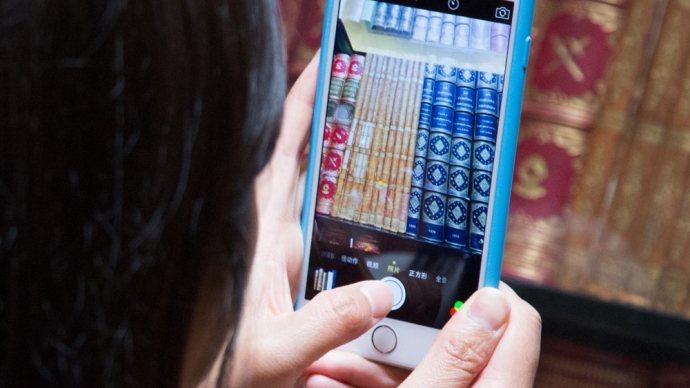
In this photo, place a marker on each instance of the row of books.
(409, 147)
(433, 27)
(454, 156)
(323, 279)
(373, 179)
(460, 31)
(346, 76)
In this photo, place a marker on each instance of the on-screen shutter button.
(399, 293)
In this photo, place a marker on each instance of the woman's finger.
(319, 381)
(281, 175)
(357, 371)
(465, 345)
(514, 363)
(331, 319)
(297, 119)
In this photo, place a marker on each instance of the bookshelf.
(640, 333)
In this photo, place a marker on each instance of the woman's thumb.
(334, 318)
(466, 344)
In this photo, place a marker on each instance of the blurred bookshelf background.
(599, 229)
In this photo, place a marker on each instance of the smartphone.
(413, 145)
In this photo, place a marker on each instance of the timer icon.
(453, 4)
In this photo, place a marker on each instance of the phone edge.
(502, 186)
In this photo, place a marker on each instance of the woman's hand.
(275, 344)
(493, 341)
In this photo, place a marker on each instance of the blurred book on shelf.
(614, 126)
(600, 203)
(574, 42)
(302, 25)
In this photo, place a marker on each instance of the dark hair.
(130, 134)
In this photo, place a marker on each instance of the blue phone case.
(506, 160)
(511, 123)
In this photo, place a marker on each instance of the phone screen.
(409, 142)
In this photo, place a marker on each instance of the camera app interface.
(408, 150)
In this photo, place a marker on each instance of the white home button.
(384, 339)
(399, 293)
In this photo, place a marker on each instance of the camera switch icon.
(502, 13)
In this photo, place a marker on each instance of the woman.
(130, 137)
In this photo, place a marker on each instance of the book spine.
(421, 25)
(339, 73)
(344, 111)
(433, 216)
(460, 159)
(448, 30)
(612, 128)
(480, 34)
(673, 290)
(328, 179)
(422, 145)
(329, 281)
(483, 153)
(316, 280)
(462, 32)
(434, 199)
(319, 284)
(500, 36)
(435, 25)
(392, 18)
(379, 22)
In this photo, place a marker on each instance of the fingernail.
(490, 309)
(380, 298)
